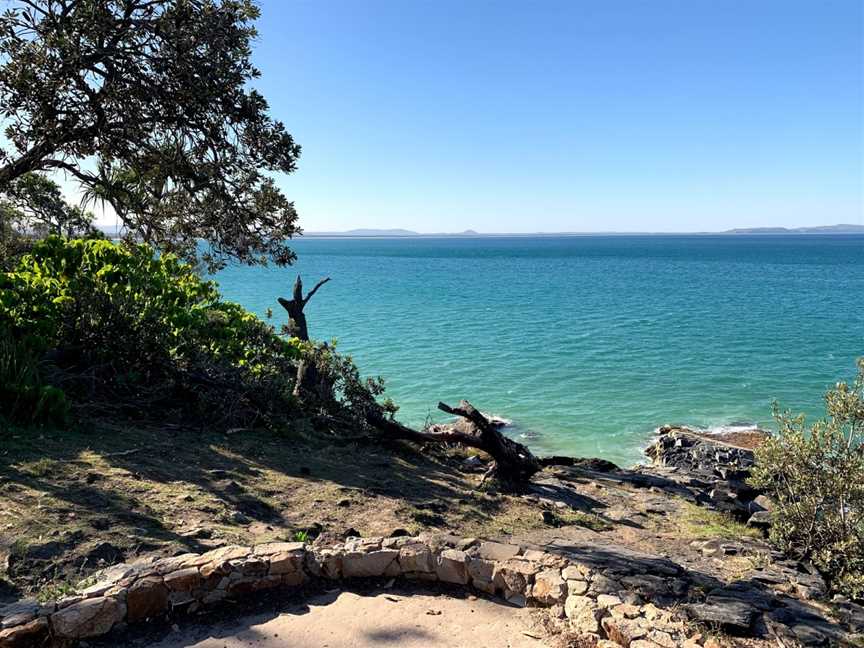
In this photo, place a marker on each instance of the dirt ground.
(350, 620)
(72, 502)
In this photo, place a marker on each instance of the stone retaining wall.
(613, 612)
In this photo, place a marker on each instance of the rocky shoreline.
(599, 588)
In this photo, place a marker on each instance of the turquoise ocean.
(586, 343)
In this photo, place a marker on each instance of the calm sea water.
(586, 343)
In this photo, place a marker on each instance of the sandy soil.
(351, 620)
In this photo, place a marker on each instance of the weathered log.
(513, 462)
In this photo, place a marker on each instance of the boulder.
(33, 633)
(89, 618)
(608, 601)
(452, 566)
(288, 561)
(514, 575)
(148, 597)
(623, 631)
(549, 588)
(374, 563)
(729, 614)
(184, 580)
(416, 558)
(271, 548)
(573, 605)
(587, 621)
(497, 551)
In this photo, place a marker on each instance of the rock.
(760, 520)
(483, 585)
(742, 593)
(374, 563)
(573, 605)
(270, 548)
(497, 551)
(289, 561)
(660, 638)
(18, 613)
(33, 633)
(89, 618)
(601, 584)
(728, 614)
(587, 621)
(625, 610)
(549, 587)
(148, 597)
(761, 503)
(416, 558)
(516, 598)
(608, 601)
(452, 566)
(577, 587)
(514, 575)
(479, 569)
(623, 631)
(184, 580)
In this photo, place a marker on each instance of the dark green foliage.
(816, 479)
(148, 104)
(124, 333)
(24, 397)
(119, 326)
(356, 396)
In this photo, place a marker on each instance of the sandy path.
(349, 620)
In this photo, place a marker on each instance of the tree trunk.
(513, 462)
(307, 374)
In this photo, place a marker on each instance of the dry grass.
(698, 523)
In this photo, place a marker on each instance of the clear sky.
(661, 115)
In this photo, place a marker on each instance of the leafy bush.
(117, 322)
(24, 396)
(816, 479)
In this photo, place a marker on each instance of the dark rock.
(743, 592)
(760, 520)
(399, 533)
(731, 615)
(351, 532)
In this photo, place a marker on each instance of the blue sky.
(569, 116)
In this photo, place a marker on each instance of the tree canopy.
(147, 104)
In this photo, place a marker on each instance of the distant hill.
(386, 232)
(821, 229)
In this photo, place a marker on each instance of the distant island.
(393, 233)
(821, 229)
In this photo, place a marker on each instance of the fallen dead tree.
(512, 462)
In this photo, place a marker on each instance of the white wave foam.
(498, 420)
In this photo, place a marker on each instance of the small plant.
(815, 477)
(300, 536)
(54, 591)
(41, 467)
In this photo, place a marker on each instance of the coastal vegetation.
(815, 476)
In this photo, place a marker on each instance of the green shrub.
(118, 321)
(816, 479)
(24, 397)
